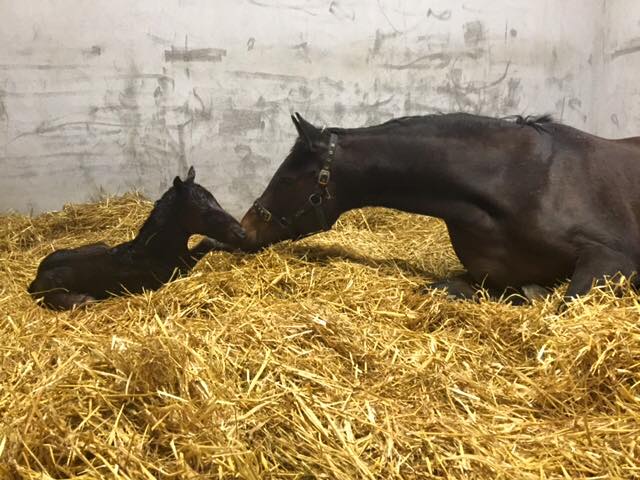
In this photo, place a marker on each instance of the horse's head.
(300, 198)
(200, 212)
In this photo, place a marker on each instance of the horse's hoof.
(456, 289)
(564, 305)
(535, 292)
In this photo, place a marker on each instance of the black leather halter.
(315, 202)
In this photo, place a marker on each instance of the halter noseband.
(314, 202)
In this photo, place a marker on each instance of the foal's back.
(97, 271)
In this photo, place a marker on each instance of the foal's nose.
(239, 232)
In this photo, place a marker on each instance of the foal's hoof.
(83, 301)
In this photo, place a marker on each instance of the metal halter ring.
(315, 199)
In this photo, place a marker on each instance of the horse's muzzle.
(253, 229)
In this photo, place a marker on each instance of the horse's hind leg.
(463, 287)
(59, 300)
(595, 264)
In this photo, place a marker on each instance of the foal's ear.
(306, 131)
(191, 175)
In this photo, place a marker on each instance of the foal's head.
(197, 211)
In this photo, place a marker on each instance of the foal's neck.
(162, 236)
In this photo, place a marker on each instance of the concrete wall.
(111, 96)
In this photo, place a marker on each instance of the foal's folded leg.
(60, 300)
(207, 245)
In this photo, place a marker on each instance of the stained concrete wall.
(106, 97)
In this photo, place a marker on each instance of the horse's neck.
(395, 172)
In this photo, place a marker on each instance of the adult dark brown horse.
(525, 202)
(73, 277)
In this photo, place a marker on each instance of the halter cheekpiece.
(314, 202)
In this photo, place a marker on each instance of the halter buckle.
(263, 212)
(323, 177)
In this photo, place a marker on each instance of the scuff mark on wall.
(575, 104)
(437, 60)
(239, 121)
(474, 33)
(470, 96)
(4, 125)
(302, 51)
(614, 120)
(341, 11)
(177, 54)
(268, 76)
(412, 107)
(633, 46)
(373, 111)
(379, 40)
(159, 40)
(442, 15)
(560, 82)
(42, 66)
(512, 98)
(281, 5)
(93, 51)
(251, 174)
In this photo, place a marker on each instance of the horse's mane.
(537, 122)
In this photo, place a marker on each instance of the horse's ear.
(306, 131)
(178, 183)
(191, 175)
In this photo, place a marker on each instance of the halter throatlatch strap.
(315, 201)
(325, 173)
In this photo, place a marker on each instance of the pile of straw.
(319, 359)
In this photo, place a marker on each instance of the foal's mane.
(162, 209)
